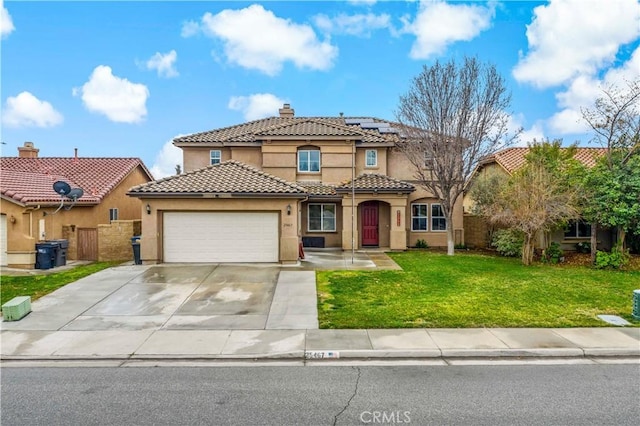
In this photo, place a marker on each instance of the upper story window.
(113, 214)
(216, 156)
(578, 229)
(371, 158)
(428, 160)
(309, 160)
(438, 219)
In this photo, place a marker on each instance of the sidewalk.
(319, 344)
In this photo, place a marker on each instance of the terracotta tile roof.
(318, 189)
(258, 130)
(229, 177)
(513, 158)
(370, 182)
(30, 180)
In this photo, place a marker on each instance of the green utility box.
(636, 304)
(16, 308)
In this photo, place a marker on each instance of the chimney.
(286, 111)
(75, 155)
(28, 151)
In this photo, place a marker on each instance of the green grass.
(37, 286)
(472, 290)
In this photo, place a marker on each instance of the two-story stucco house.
(253, 191)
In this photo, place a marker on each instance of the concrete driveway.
(187, 297)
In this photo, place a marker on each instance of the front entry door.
(370, 223)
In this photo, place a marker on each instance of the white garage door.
(198, 237)
(3, 240)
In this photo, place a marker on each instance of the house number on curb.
(321, 355)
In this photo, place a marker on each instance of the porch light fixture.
(148, 209)
(289, 210)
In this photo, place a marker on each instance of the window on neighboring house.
(113, 214)
(216, 156)
(419, 217)
(322, 217)
(428, 160)
(372, 158)
(309, 160)
(578, 229)
(438, 219)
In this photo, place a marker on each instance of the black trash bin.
(46, 255)
(60, 252)
(135, 245)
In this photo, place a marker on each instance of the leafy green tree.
(611, 187)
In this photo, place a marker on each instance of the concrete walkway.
(195, 312)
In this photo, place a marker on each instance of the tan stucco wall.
(151, 242)
(434, 238)
(194, 158)
(24, 233)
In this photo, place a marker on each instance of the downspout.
(353, 199)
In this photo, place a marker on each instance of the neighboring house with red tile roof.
(29, 201)
(251, 192)
(508, 161)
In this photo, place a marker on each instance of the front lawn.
(37, 286)
(472, 290)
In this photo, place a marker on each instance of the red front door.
(370, 223)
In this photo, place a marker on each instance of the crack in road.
(355, 392)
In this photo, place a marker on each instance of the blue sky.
(125, 78)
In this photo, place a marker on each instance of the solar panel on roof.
(358, 120)
(389, 130)
(373, 125)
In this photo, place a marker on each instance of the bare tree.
(615, 121)
(453, 116)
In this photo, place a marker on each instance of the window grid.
(113, 214)
(419, 217)
(309, 160)
(371, 158)
(438, 219)
(216, 156)
(321, 218)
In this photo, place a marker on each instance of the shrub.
(460, 246)
(583, 247)
(614, 260)
(422, 244)
(553, 254)
(508, 242)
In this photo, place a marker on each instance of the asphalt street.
(323, 395)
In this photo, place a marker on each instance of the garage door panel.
(221, 237)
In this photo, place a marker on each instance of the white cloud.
(166, 160)
(439, 24)
(258, 105)
(6, 23)
(362, 2)
(584, 90)
(116, 98)
(164, 64)
(535, 132)
(357, 25)
(25, 110)
(189, 29)
(568, 38)
(255, 38)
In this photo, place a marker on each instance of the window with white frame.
(309, 160)
(322, 217)
(419, 217)
(428, 160)
(113, 214)
(371, 158)
(578, 229)
(438, 219)
(216, 156)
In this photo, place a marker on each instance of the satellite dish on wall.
(64, 190)
(61, 187)
(75, 193)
